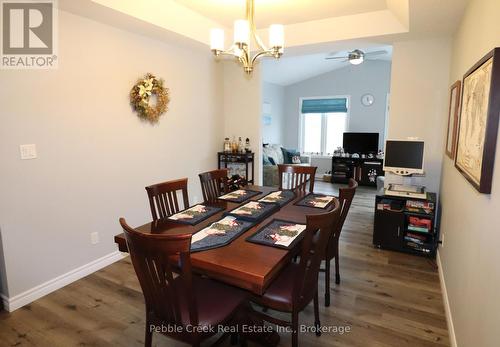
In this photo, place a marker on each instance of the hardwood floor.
(386, 298)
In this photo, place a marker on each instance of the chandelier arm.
(250, 17)
(267, 53)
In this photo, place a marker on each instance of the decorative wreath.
(140, 98)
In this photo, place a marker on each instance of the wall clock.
(367, 99)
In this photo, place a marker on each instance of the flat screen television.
(361, 143)
(404, 157)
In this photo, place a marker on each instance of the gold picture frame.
(453, 112)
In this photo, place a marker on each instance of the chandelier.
(244, 31)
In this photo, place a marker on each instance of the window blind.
(324, 105)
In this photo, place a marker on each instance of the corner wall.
(419, 99)
(470, 221)
(242, 97)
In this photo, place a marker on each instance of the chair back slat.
(164, 291)
(296, 177)
(213, 184)
(318, 231)
(163, 199)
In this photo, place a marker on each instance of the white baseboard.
(18, 301)
(449, 320)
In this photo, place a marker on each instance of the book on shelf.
(418, 229)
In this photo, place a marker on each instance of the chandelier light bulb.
(241, 32)
(276, 35)
(217, 39)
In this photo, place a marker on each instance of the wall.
(470, 221)
(94, 154)
(370, 77)
(275, 95)
(242, 106)
(419, 96)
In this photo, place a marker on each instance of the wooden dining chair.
(178, 301)
(213, 184)
(297, 285)
(346, 195)
(163, 199)
(296, 177)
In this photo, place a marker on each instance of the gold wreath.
(141, 93)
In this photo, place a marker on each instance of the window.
(323, 123)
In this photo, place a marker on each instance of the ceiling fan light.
(356, 61)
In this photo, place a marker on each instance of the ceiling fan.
(357, 56)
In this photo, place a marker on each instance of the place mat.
(316, 200)
(218, 234)
(239, 195)
(280, 197)
(195, 214)
(254, 211)
(278, 233)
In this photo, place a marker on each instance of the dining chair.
(346, 195)
(296, 177)
(297, 285)
(213, 184)
(179, 302)
(163, 199)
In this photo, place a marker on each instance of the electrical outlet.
(94, 238)
(28, 151)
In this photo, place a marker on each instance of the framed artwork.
(453, 110)
(478, 128)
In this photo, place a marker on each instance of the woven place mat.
(278, 233)
(195, 214)
(219, 234)
(254, 211)
(239, 195)
(316, 200)
(280, 197)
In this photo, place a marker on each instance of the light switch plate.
(94, 238)
(28, 151)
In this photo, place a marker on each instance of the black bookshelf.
(401, 225)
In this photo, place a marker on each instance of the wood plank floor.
(386, 298)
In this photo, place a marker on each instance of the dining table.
(243, 264)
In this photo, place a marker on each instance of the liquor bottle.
(240, 145)
(247, 145)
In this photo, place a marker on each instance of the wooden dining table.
(243, 264)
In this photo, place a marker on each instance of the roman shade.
(324, 105)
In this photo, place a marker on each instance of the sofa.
(274, 154)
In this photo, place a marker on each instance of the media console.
(363, 170)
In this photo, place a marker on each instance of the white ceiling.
(293, 69)
(281, 11)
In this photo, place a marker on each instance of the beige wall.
(94, 154)
(419, 92)
(471, 221)
(242, 108)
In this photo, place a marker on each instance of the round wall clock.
(367, 99)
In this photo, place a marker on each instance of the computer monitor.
(404, 157)
(361, 143)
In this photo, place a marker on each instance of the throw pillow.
(288, 154)
(265, 160)
(296, 159)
